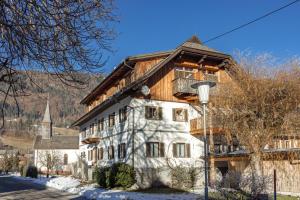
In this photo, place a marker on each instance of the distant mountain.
(64, 101)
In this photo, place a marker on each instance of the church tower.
(46, 125)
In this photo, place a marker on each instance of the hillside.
(64, 101)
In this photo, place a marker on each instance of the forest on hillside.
(65, 100)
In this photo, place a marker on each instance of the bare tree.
(261, 102)
(50, 159)
(61, 38)
(6, 162)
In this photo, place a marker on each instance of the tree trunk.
(256, 171)
(47, 172)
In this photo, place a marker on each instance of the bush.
(125, 176)
(32, 172)
(183, 177)
(100, 176)
(117, 175)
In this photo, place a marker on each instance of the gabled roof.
(192, 45)
(56, 142)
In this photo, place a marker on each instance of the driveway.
(12, 188)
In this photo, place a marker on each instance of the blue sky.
(155, 25)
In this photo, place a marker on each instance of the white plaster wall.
(165, 130)
(73, 155)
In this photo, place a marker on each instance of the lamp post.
(202, 88)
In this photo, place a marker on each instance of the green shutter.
(147, 112)
(161, 149)
(186, 115)
(188, 150)
(160, 113)
(148, 149)
(124, 150)
(174, 151)
(174, 114)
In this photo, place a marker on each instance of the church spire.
(46, 125)
(47, 115)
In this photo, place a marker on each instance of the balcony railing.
(196, 125)
(183, 86)
(88, 138)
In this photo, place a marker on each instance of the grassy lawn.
(281, 197)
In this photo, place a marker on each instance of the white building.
(144, 112)
(63, 147)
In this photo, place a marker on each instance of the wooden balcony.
(196, 126)
(182, 86)
(89, 138)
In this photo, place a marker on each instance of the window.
(98, 126)
(82, 154)
(101, 124)
(92, 129)
(184, 72)
(153, 112)
(210, 72)
(83, 133)
(155, 149)
(65, 159)
(123, 114)
(180, 115)
(111, 120)
(100, 153)
(94, 154)
(181, 150)
(89, 155)
(111, 153)
(121, 150)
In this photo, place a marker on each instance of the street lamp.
(202, 88)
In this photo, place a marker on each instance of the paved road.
(12, 188)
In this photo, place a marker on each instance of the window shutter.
(188, 150)
(119, 151)
(161, 149)
(112, 152)
(186, 115)
(101, 153)
(174, 114)
(96, 154)
(147, 112)
(148, 149)
(174, 151)
(124, 150)
(160, 113)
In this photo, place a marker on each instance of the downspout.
(133, 122)
(133, 134)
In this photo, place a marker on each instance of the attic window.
(184, 72)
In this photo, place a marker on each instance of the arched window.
(65, 159)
